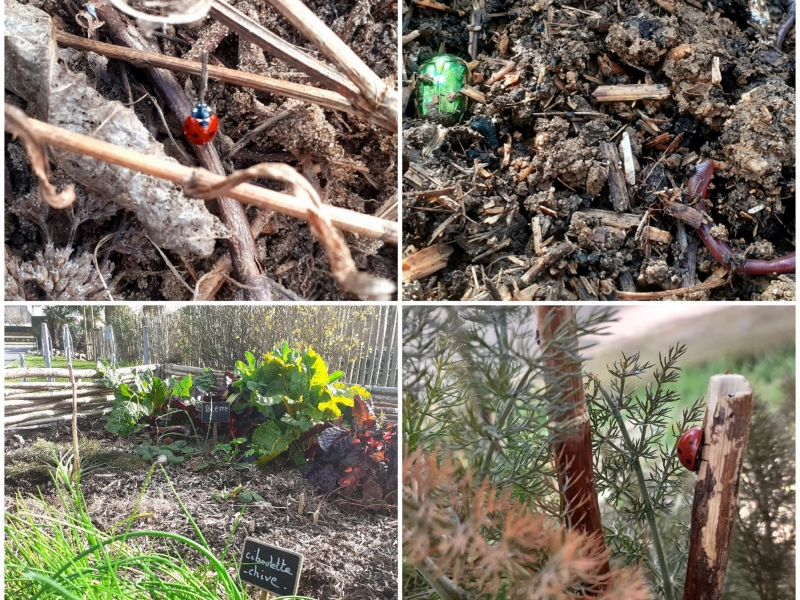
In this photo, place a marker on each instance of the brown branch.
(344, 219)
(142, 59)
(341, 261)
(572, 443)
(725, 430)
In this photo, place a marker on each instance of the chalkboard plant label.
(215, 412)
(270, 568)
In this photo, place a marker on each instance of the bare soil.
(354, 165)
(528, 170)
(351, 553)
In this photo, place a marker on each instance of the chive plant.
(53, 550)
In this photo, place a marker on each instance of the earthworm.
(787, 25)
(697, 187)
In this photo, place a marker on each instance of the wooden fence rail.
(33, 403)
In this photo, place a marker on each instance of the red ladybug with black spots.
(689, 447)
(201, 126)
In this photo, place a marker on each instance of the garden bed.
(350, 553)
(526, 196)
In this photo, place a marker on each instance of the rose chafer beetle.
(440, 79)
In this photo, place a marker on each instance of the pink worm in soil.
(787, 25)
(698, 187)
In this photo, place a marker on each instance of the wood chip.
(426, 262)
(555, 253)
(616, 180)
(626, 93)
(659, 141)
(667, 5)
(628, 164)
(674, 144)
(473, 93)
(716, 75)
(655, 235)
(683, 212)
(609, 218)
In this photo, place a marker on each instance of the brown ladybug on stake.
(689, 447)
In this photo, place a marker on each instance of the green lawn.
(767, 373)
(60, 362)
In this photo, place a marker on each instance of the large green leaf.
(272, 441)
(123, 393)
(183, 388)
(157, 396)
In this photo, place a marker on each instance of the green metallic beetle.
(437, 91)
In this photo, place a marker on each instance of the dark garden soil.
(516, 199)
(351, 553)
(352, 162)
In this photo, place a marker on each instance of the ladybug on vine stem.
(689, 448)
(201, 126)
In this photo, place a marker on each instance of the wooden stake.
(725, 430)
(76, 459)
(572, 448)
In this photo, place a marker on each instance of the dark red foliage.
(366, 455)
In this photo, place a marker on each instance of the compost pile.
(49, 253)
(351, 552)
(524, 198)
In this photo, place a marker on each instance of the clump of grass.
(53, 550)
(36, 460)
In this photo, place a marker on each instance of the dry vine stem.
(572, 445)
(342, 218)
(342, 266)
(725, 430)
(140, 58)
(361, 86)
(297, 207)
(37, 152)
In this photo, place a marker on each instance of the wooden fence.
(33, 403)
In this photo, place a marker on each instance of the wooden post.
(725, 430)
(572, 447)
(76, 459)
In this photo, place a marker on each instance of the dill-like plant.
(637, 473)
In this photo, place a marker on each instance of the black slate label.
(215, 412)
(270, 568)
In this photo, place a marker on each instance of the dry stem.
(142, 59)
(363, 88)
(342, 218)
